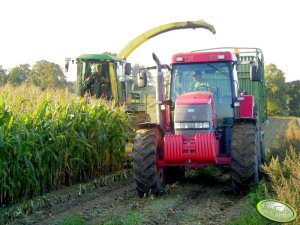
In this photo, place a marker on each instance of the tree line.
(43, 74)
(283, 98)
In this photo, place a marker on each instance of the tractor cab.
(216, 73)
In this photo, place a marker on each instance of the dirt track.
(203, 198)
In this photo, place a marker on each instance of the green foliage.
(3, 76)
(293, 91)
(275, 90)
(50, 139)
(283, 172)
(284, 167)
(47, 75)
(250, 215)
(273, 107)
(73, 220)
(284, 179)
(18, 74)
(133, 218)
(282, 98)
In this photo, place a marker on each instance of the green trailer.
(251, 77)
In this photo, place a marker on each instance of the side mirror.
(142, 79)
(255, 73)
(128, 69)
(67, 61)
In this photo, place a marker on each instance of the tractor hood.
(194, 113)
(195, 98)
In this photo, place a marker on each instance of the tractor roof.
(104, 57)
(192, 57)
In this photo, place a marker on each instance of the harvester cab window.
(96, 80)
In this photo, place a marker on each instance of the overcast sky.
(33, 30)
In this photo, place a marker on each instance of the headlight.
(177, 126)
(189, 125)
(206, 125)
(199, 125)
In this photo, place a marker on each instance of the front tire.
(245, 157)
(148, 178)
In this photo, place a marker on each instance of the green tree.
(276, 90)
(3, 76)
(293, 102)
(18, 74)
(47, 75)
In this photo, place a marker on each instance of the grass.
(284, 168)
(132, 218)
(250, 215)
(73, 220)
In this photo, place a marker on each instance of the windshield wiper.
(217, 69)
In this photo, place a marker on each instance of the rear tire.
(245, 157)
(148, 178)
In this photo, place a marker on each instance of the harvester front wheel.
(141, 117)
(245, 157)
(148, 178)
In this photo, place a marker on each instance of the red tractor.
(210, 113)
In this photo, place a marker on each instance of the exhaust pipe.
(160, 92)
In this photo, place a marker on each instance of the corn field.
(52, 139)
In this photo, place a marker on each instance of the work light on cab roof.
(203, 57)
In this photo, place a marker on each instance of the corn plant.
(51, 139)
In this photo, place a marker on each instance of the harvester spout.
(131, 46)
(159, 91)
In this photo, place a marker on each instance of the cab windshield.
(213, 77)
